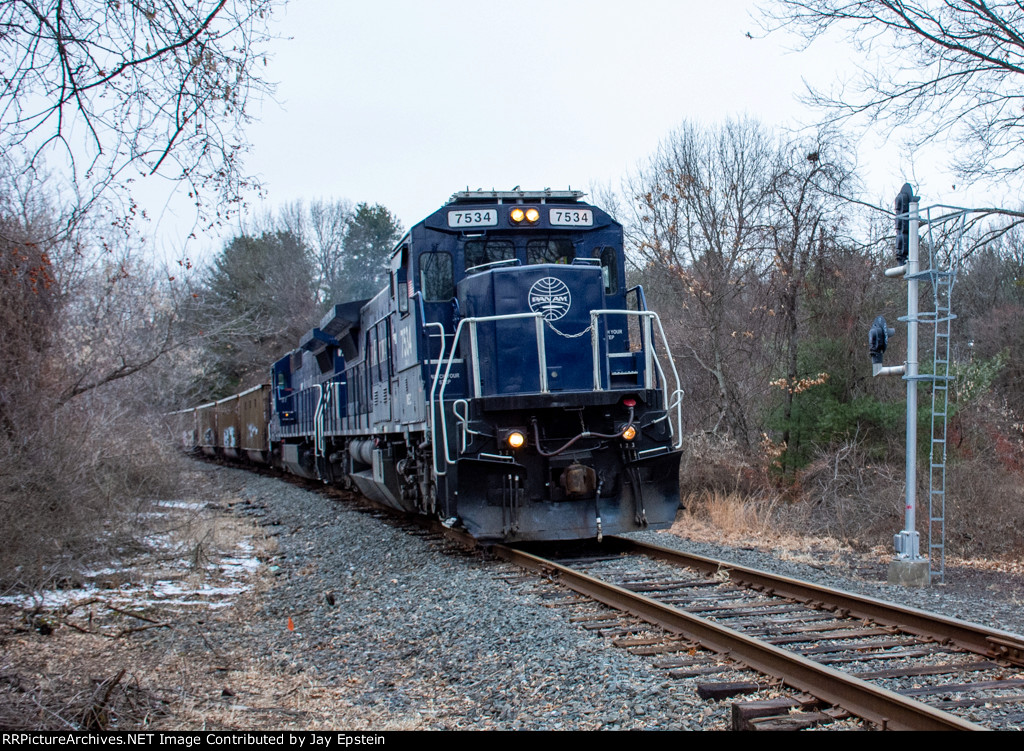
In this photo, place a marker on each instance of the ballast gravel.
(407, 633)
(377, 628)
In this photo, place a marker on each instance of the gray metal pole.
(911, 547)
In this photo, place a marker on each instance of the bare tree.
(805, 219)
(80, 325)
(121, 319)
(161, 87)
(990, 304)
(29, 302)
(322, 226)
(100, 92)
(700, 213)
(949, 68)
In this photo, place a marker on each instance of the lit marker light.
(517, 215)
(516, 439)
(532, 215)
(629, 433)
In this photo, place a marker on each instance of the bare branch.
(948, 69)
(122, 84)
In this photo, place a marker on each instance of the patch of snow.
(233, 567)
(193, 505)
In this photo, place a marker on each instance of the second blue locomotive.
(506, 380)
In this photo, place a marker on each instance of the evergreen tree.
(369, 239)
(258, 299)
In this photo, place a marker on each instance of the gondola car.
(505, 380)
(234, 427)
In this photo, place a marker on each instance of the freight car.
(236, 427)
(506, 380)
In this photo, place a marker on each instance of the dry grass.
(844, 507)
(739, 520)
(846, 495)
(729, 515)
(69, 492)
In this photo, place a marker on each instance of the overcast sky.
(403, 102)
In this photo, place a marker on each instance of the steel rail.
(969, 636)
(880, 706)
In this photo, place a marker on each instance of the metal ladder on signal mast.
(941, 317)
(942, 288)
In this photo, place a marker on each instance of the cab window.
(481, 252)
(610, 271)
(437, 278)
(551, 250)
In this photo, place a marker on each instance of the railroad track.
(895, 667)
(841, 654)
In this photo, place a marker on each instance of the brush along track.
(864, 656)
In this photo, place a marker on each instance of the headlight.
(515, 439)
(519, 215)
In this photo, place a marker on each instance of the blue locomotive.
(506, 379)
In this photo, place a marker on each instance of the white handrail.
(430, 406)
(672, 400)
(475, 364)
(318, 426)
(652, 363)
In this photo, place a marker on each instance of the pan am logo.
(550, 297)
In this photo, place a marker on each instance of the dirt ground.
(158, 639)
(161, 639)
